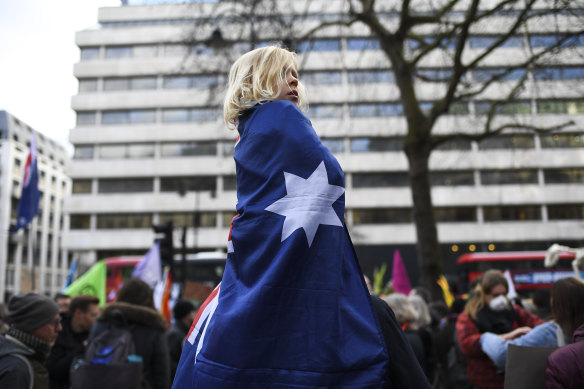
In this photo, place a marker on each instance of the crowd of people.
(430, 345)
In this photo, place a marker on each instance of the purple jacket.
(565, 366)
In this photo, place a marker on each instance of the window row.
(327, 111)
(470, 214)
(319, 45)
(327, 78)
(335, 145)
(359, 180)
(360, 216)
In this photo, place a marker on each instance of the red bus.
(204, 272)
(526, 267)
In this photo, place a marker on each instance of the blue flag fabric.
(292, 310)
(70, 275)
(28, 206)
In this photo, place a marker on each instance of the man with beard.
(34, 326)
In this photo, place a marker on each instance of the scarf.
(497, 322)
(41, 348)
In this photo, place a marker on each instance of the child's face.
(289, 86)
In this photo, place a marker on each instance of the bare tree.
(412, 34)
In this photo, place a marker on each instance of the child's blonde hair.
(255, 77)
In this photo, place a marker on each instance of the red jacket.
(565, 366)
(479, 368)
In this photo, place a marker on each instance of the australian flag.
(292, 310)
(28, 206)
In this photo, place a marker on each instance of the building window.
(126, 151)
(125, 185)
(498, 142)
(511, 108)
(229, 183)
(433, 75)
(325, 111)
(79, 222)
(358, 44)
(564, 140)
(455, 178)
(547, 40)
(455, 214)
(335, 146)
(187, 184)
(89, 53)
(86, 118)
(319, 45)
(188, 149)
(560, 106)
(128, 117)
(501, 74)
(508, 177)
(83, 152)
(559, 73)
(564, 176)
(322, 78)
(187, 219)
(186, 82)
(511, 213)
(81, 186)
(87, 85)
(375, 110)
(128, 220)
(483, 42)
(455, 144)
(379, 180)
(371, 76)
(363, 145)
(566, 212)
(226, 218)
(117, 52)
(382, 216)
(135, 83)
(189, 115)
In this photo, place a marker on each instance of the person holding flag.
(292, 310)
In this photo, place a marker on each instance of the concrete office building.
(18, 262)
(150, 144)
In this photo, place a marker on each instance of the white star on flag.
(308, 203)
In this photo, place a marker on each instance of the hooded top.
(565, 366)
(292, 309)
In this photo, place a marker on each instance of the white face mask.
(499, 303)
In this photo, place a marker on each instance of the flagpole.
(30, 252)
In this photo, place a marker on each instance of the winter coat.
(15, 373)
(148, 328)
(480, 369)
(67, 346)
(565, 366)
(404, 370)
(175, 338)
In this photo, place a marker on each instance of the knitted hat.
(182, 308)
(29, 311)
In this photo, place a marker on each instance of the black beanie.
(30, 311)
(182, 308)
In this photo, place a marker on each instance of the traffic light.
(166, 243)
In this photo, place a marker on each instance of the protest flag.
(92, 282)
(70, 275)
(28, 206)
(400, 281)
(149, 269)
(448, 296)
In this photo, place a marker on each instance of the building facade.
(19, 262)
(151, 146)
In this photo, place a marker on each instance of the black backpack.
(110, 360)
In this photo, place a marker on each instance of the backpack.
(110, 360)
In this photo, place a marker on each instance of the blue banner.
(28, 206)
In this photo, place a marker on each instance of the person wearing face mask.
(489, 310)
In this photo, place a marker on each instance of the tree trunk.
(429, 256)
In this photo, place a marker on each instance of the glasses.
(56, 323)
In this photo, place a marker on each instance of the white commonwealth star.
(308, 203)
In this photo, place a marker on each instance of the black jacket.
(14, 372)
(147, 327)
(175, 338)
(404, 370)
(68, 346)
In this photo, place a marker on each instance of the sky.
(37, 54)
